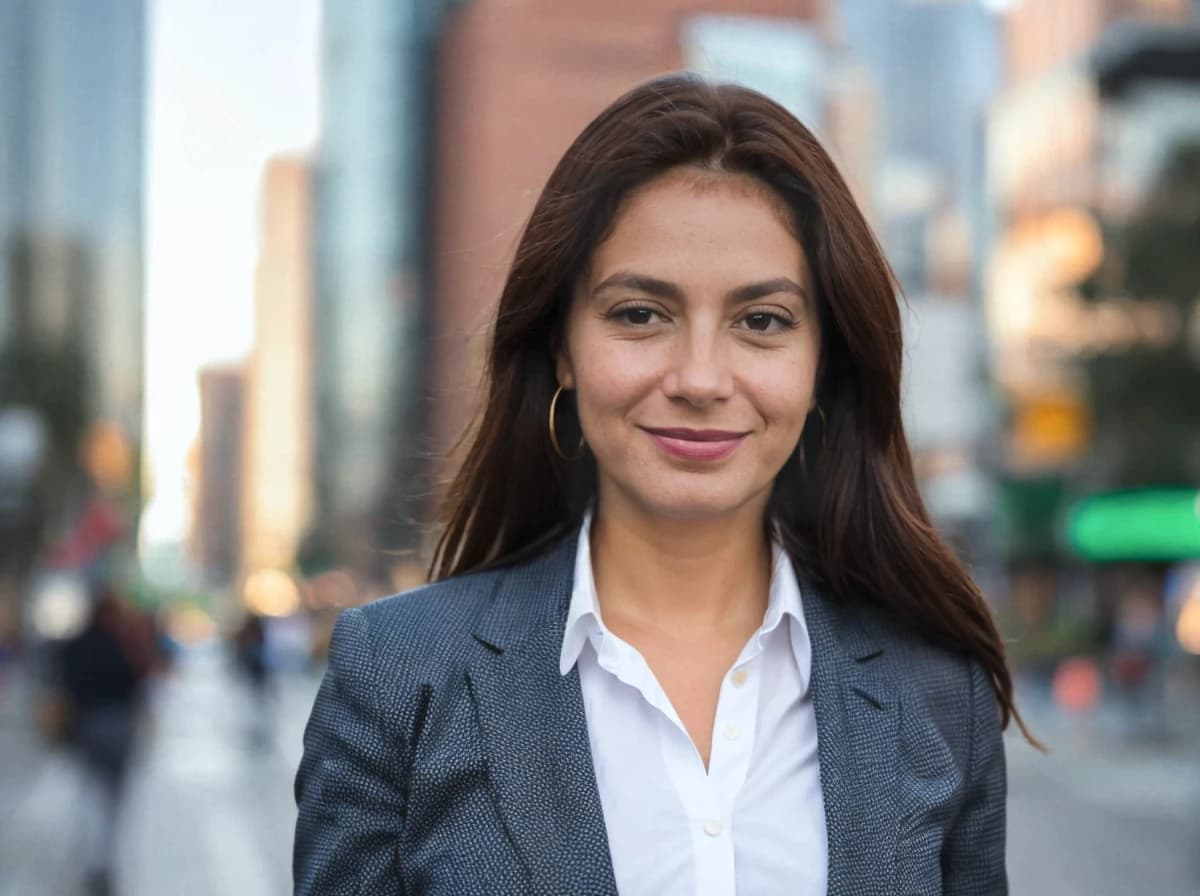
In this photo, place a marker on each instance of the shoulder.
(435, 628)
(421, 634)
(444, 611)
(949, 715)
(940, 684)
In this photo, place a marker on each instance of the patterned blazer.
(445, 754)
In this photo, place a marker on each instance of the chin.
(694, 504)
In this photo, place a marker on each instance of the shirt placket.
(709, 798)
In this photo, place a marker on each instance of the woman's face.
(692, 346)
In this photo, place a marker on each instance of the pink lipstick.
(697, 444)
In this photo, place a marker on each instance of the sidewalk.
(1109, 764)
(208, 812)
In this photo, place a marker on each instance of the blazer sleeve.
(351, 806)
(973, 858)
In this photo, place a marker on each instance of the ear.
(564, 371)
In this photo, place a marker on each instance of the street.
(210, 810)
(1100, 815)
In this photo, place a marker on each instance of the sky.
(229, 86)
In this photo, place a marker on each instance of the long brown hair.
(846, 502)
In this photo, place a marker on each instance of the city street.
(211, 813)
(1095, 818)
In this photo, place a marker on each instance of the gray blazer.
(446, 756)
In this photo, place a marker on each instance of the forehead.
(694, 222)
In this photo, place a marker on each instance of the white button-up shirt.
(754, 822)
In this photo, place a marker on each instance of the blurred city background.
(248, 252)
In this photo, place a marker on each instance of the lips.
(697, 444)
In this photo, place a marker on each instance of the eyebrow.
(667, 290)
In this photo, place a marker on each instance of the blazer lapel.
(858, 717)
(535, 732)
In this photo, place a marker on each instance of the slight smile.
(696, 444)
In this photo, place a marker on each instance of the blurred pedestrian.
(686, 538)
(250, 651)
(1141, 643)
(103, 670)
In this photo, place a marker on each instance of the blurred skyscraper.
(217, 475)
(71, 105)
(929, 71)
(936, 67)
(277, 474)
(1100, 143)
(371, 243)
(71, 185)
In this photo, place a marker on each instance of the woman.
(692, 631)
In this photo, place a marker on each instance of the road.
(210, 813)
(209, 810)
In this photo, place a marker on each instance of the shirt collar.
(583, 616)
(584, 621)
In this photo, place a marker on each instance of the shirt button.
(739, 677)
(732, 732)
(712, 827)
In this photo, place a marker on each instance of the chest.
(728, 800)
(692, 683)
(502, 772)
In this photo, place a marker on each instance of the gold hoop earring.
(554, 436)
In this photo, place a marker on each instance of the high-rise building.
(935, 68)
(371, 239)
(277, 468)
(215, 537)
(71, 184)
(71, 126)
(932, 69)
(1095, 155)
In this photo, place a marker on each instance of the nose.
(699, 371)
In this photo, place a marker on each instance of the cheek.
(613, 378)
(784, 392)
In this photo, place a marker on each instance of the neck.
(681, 575)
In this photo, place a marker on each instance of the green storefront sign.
(1147, 524)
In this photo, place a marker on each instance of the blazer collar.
(539, 753)
(530, 596)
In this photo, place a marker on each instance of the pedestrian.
(1141, 645)
(692, 631)
(102, 671)
(250, 650)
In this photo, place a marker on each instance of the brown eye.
(762, 322)
(637, 316)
